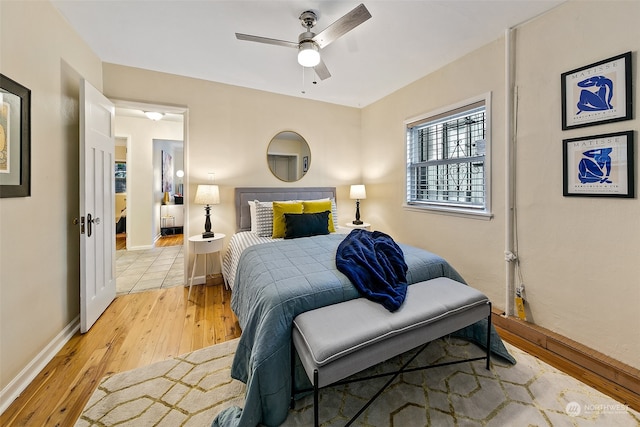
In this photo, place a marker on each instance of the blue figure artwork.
(597, 100)
(595, 166)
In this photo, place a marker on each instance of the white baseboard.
(140, 248)
(24, 378)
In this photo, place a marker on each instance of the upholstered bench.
(337, 341)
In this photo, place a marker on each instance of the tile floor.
(159, 267)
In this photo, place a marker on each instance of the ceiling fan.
(309, 43)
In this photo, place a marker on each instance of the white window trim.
(453, 210)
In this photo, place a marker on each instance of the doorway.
(147, 259)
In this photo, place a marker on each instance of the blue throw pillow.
(306, 224)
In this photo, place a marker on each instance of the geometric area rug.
(190, 390)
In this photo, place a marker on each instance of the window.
(121, 177)
(447, 165)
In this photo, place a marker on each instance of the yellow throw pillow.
(316, 206)
(279, 209)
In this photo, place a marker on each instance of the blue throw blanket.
(375, 265)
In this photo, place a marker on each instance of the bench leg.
(316, 393)
(489, 338)
(292, 404)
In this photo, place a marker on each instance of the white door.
(97, 200)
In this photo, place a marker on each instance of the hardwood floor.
(142, 328)
(171, 240)
(121, 241)
(136, 330)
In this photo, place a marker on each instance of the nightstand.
(364, 225)
(204, 246)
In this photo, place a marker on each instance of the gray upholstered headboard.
(269, 194)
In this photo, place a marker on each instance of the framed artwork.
(167, 172)
(305, 163)
(597, 93)
(599, 166)
(15, 139)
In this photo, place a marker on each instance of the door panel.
(97, 199)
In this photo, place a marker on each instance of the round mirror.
(288, 156)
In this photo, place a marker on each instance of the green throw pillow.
(279, 209)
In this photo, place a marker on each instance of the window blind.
(446, 158)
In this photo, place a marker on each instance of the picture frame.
(167, 172)
(305, 163)
(599, 165)
(597, 93)
(15, 139)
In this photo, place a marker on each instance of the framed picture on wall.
(15, 139)
(599, 166)
(167, 172)
(597, 93)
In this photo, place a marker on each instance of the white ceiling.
(403, 41)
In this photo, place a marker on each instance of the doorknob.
(90, 221)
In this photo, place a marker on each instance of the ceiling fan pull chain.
(303, 91)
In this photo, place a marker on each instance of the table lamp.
(207, 195)
(358, 192)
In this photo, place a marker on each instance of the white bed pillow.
(264, 218)
(334, 213)
(253, 217)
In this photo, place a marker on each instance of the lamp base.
(357, 220)
(208, 234)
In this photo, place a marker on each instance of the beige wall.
(580, 257)
(39, 247)
(229, 129)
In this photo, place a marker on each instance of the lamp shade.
(207, 195)
(358, 192)
(308, 55)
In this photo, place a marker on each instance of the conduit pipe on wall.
(509, 174)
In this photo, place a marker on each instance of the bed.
(274, 281)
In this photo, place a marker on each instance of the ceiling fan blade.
(266, 40)
(322, 71)
(342, 26)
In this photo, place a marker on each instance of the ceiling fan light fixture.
(308, 54)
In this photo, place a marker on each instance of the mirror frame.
(299, 160)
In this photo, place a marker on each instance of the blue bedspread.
(277, 281)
